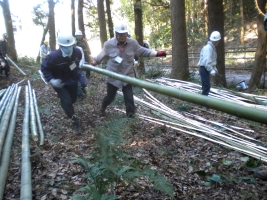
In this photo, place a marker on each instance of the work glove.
(56, 83)
(161, 54)
(212, 72)
(92, 63)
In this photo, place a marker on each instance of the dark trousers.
(4, 67)
(68, 96)
(205, 80)
(127, 94)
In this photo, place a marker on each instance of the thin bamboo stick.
(40, 127)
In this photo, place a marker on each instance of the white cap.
(77, 33)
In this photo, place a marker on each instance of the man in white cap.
(81, 42)
(120, 52)
(208, 60)
(44, 50)
(61, 69)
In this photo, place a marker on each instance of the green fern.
(109, 165)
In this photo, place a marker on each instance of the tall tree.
(73, 17)
(138, 19)
(242, 29)
(51, 24)
(110, 22)
(40, 19)
(9, 28)
(216, 23)
(260, 56)
(180, 68)
(102, 21)
(80, 17)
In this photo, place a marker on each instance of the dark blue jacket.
(58, 67)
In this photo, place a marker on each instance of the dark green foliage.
(155, 72)
(231, 178)
(109, 167)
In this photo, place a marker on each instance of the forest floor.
(174, 154)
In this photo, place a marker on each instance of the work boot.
(75, 123)
(102, 112)
(84, 90)
(262, 174)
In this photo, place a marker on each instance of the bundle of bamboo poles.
(229, 136)
(9, 99)
(245, 99)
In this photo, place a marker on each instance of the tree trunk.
(260, 56)
(80, 17)
(12, 53)
(110, 22)
(216, 23)
(204, 12)
(242, 31)
(180, 68)
(73, 17)
(51, 23)
(102, 21)
(138, 19)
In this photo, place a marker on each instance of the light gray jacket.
(208, 56)
(127, 52)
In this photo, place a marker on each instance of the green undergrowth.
(109, 169)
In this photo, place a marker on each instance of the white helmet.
(215, 36)
(121, 27)
(77, 33)
(65, 40)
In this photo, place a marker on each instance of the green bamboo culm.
(109, 165)
(253, 114)
(40, 127)
(5, 118)
(26, 179)
(5, 159)
(32, 114)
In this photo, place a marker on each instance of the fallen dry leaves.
(175, 155)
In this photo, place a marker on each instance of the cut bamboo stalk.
(5, 121)
(32, 115)
(5, 158)
(26, 179)
(40, 127)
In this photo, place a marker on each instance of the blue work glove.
(161, 54)
(56, 83)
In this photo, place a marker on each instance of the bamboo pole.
(26, 181)
(210, 102)
(15, 65)
(5, 121)
(40, 127)
(5, 159)
(32, 115)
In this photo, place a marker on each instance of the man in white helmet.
(81, 42)
(120, 52)
(61, 69)
(208, 61)
(44, 50)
